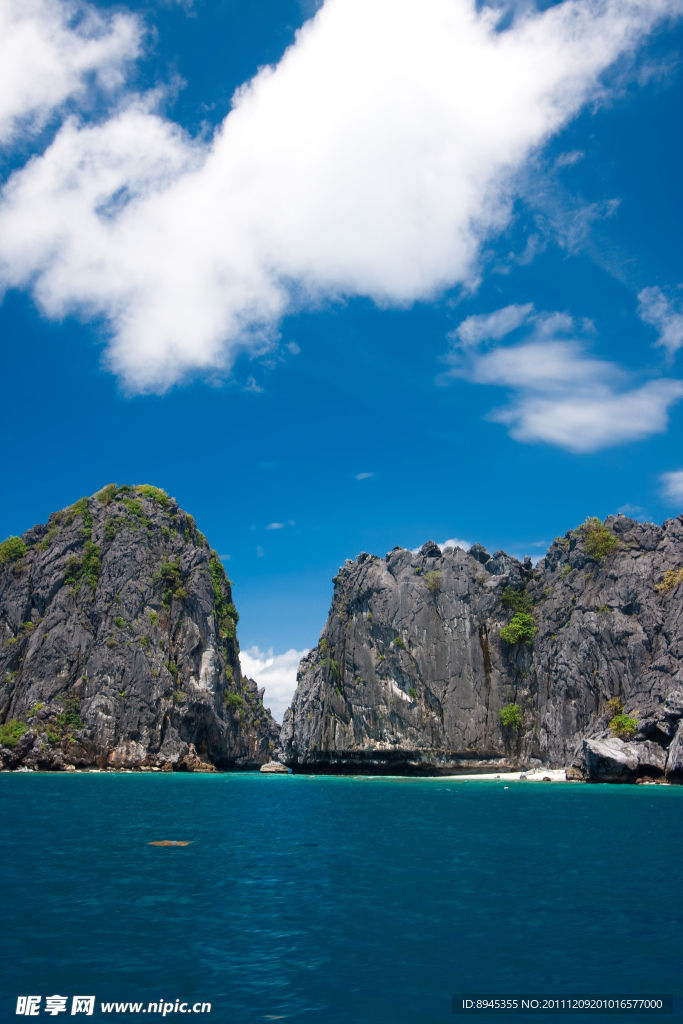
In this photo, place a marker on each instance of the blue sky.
(291, 319)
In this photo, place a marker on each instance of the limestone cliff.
(118, 643)
(411, 672)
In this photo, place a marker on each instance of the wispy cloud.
(672, 485)
(319, 184)
(655, 309)
(633, 511)
(277, 673)
(490, 326)
(562, 395)
(275, 526)
(569, 159)
(364, 476)
(260, 553)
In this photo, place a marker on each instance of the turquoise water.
(334, 899)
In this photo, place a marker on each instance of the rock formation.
(118, 644)
(450, 661)
(275, 768)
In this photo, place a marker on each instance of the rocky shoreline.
(555, 775)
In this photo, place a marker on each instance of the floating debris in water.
(172, 842)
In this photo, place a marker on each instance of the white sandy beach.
(537, 775)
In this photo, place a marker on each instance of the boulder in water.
(275, 768)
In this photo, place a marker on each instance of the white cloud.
(563, 396)
(275, 526)
(593, 420)
(672, 485)
(655, 309)
(50, 51)
(455, 543)
(452, 543)
(373, 160)
(225, 558)
(364, 476)
(490, 326)
(541, 366)
(276, 672)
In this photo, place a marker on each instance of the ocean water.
(334, 899)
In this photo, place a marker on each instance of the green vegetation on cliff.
(11, 732)
(623, 726)
(433, 580)
(598, 542)
(522, 628)
(12, 549)
(225, 610)
(511, 716)
(518, 600)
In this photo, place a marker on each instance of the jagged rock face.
(118, 644)
(411, 672)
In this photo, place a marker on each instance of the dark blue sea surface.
(334, 899)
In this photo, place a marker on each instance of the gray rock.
(674, 762)
(411, 672)
(612, 760)
(275, 768)
(119, 648)
(479, 552)
(429, 550)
